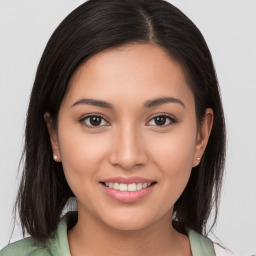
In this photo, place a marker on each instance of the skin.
(128, 142)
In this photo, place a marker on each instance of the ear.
(53, 137)
(203, 135)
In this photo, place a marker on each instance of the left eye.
(161, 120)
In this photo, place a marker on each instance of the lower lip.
(127, 196)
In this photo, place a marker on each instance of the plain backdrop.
(229, 27)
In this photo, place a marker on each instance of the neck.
(92, 237)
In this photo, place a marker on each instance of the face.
(128, 123)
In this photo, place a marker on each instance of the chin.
(131, 225)
(128, 222)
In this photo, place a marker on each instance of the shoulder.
(202, 245)
(57, 245)
(25, 247)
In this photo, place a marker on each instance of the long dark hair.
(91, 28)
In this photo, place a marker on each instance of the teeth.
(116, 186)
(127, 187)
(139, 186)
(132, 187)
(123, 187)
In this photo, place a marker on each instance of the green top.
(58, 245)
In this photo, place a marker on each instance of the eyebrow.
(98, 103)
(162, 100)
(147, 104)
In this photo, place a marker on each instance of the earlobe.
(53, 137)
(203, 135)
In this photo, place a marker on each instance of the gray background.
(230, 31)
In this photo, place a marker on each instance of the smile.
(128, 187)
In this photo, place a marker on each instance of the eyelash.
(172, 120)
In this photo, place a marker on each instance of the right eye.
(93, 121)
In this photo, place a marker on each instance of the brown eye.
(162, 120)
(93, 121)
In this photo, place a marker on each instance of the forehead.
(136, 72)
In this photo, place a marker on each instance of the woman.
(125, 116)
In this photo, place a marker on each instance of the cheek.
(173, 156)
(82, 156)
(176, 149)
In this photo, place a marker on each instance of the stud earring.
(198, 158)
(55, 157)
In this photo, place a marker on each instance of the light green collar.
(200, 245)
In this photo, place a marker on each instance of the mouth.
(128, 187)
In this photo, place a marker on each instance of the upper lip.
(128, 180)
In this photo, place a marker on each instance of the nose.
(128, 150)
